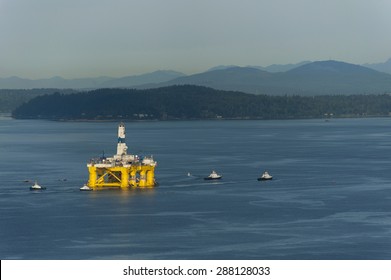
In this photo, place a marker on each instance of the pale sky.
(90, 38)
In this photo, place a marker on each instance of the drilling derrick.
(122, 170)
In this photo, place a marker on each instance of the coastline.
(9, 116)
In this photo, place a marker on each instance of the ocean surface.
(330, 197)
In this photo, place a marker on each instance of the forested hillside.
(12, 98)
(195, 102)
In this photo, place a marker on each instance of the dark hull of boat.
(264, 179)
(210, 179)
(34, 189)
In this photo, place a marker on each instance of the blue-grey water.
(330, 197)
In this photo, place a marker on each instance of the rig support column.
(124, 177)
(132, 180)
(143, 181)
(150, 178)
(92, 177)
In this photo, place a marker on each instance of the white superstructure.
(265, 176)
(213, 176)
(121, 158)
(36, 187)
(121, 146)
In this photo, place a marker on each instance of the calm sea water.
(330, 197)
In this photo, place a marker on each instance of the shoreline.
(9, 116)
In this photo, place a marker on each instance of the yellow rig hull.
(121, 176)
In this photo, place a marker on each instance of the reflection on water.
(329, 198)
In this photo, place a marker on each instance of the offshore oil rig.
(121, 170)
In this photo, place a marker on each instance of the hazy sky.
(88, 38)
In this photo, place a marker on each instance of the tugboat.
(265, 176)
(85, 188)
(213, 176)
(36, 187)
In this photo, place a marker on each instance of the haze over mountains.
(382, 67)
(89, 83)
(315, 78)
(271, 68)
(305, 78)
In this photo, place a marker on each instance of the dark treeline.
(195, 102)
(10, 99)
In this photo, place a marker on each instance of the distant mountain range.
(271, 68)
(315, 78)
(382, 67)
(89, 83)
(304, 78)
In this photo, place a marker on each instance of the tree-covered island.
(189, 102)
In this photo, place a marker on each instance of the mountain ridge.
(15, 82)
(382, 67)
(315, 78)
(304, 78)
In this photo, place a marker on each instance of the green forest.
(189, 102)
(10, 99)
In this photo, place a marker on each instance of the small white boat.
(37, 187)
(85, 188)
(213, 176)
(265, 176)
